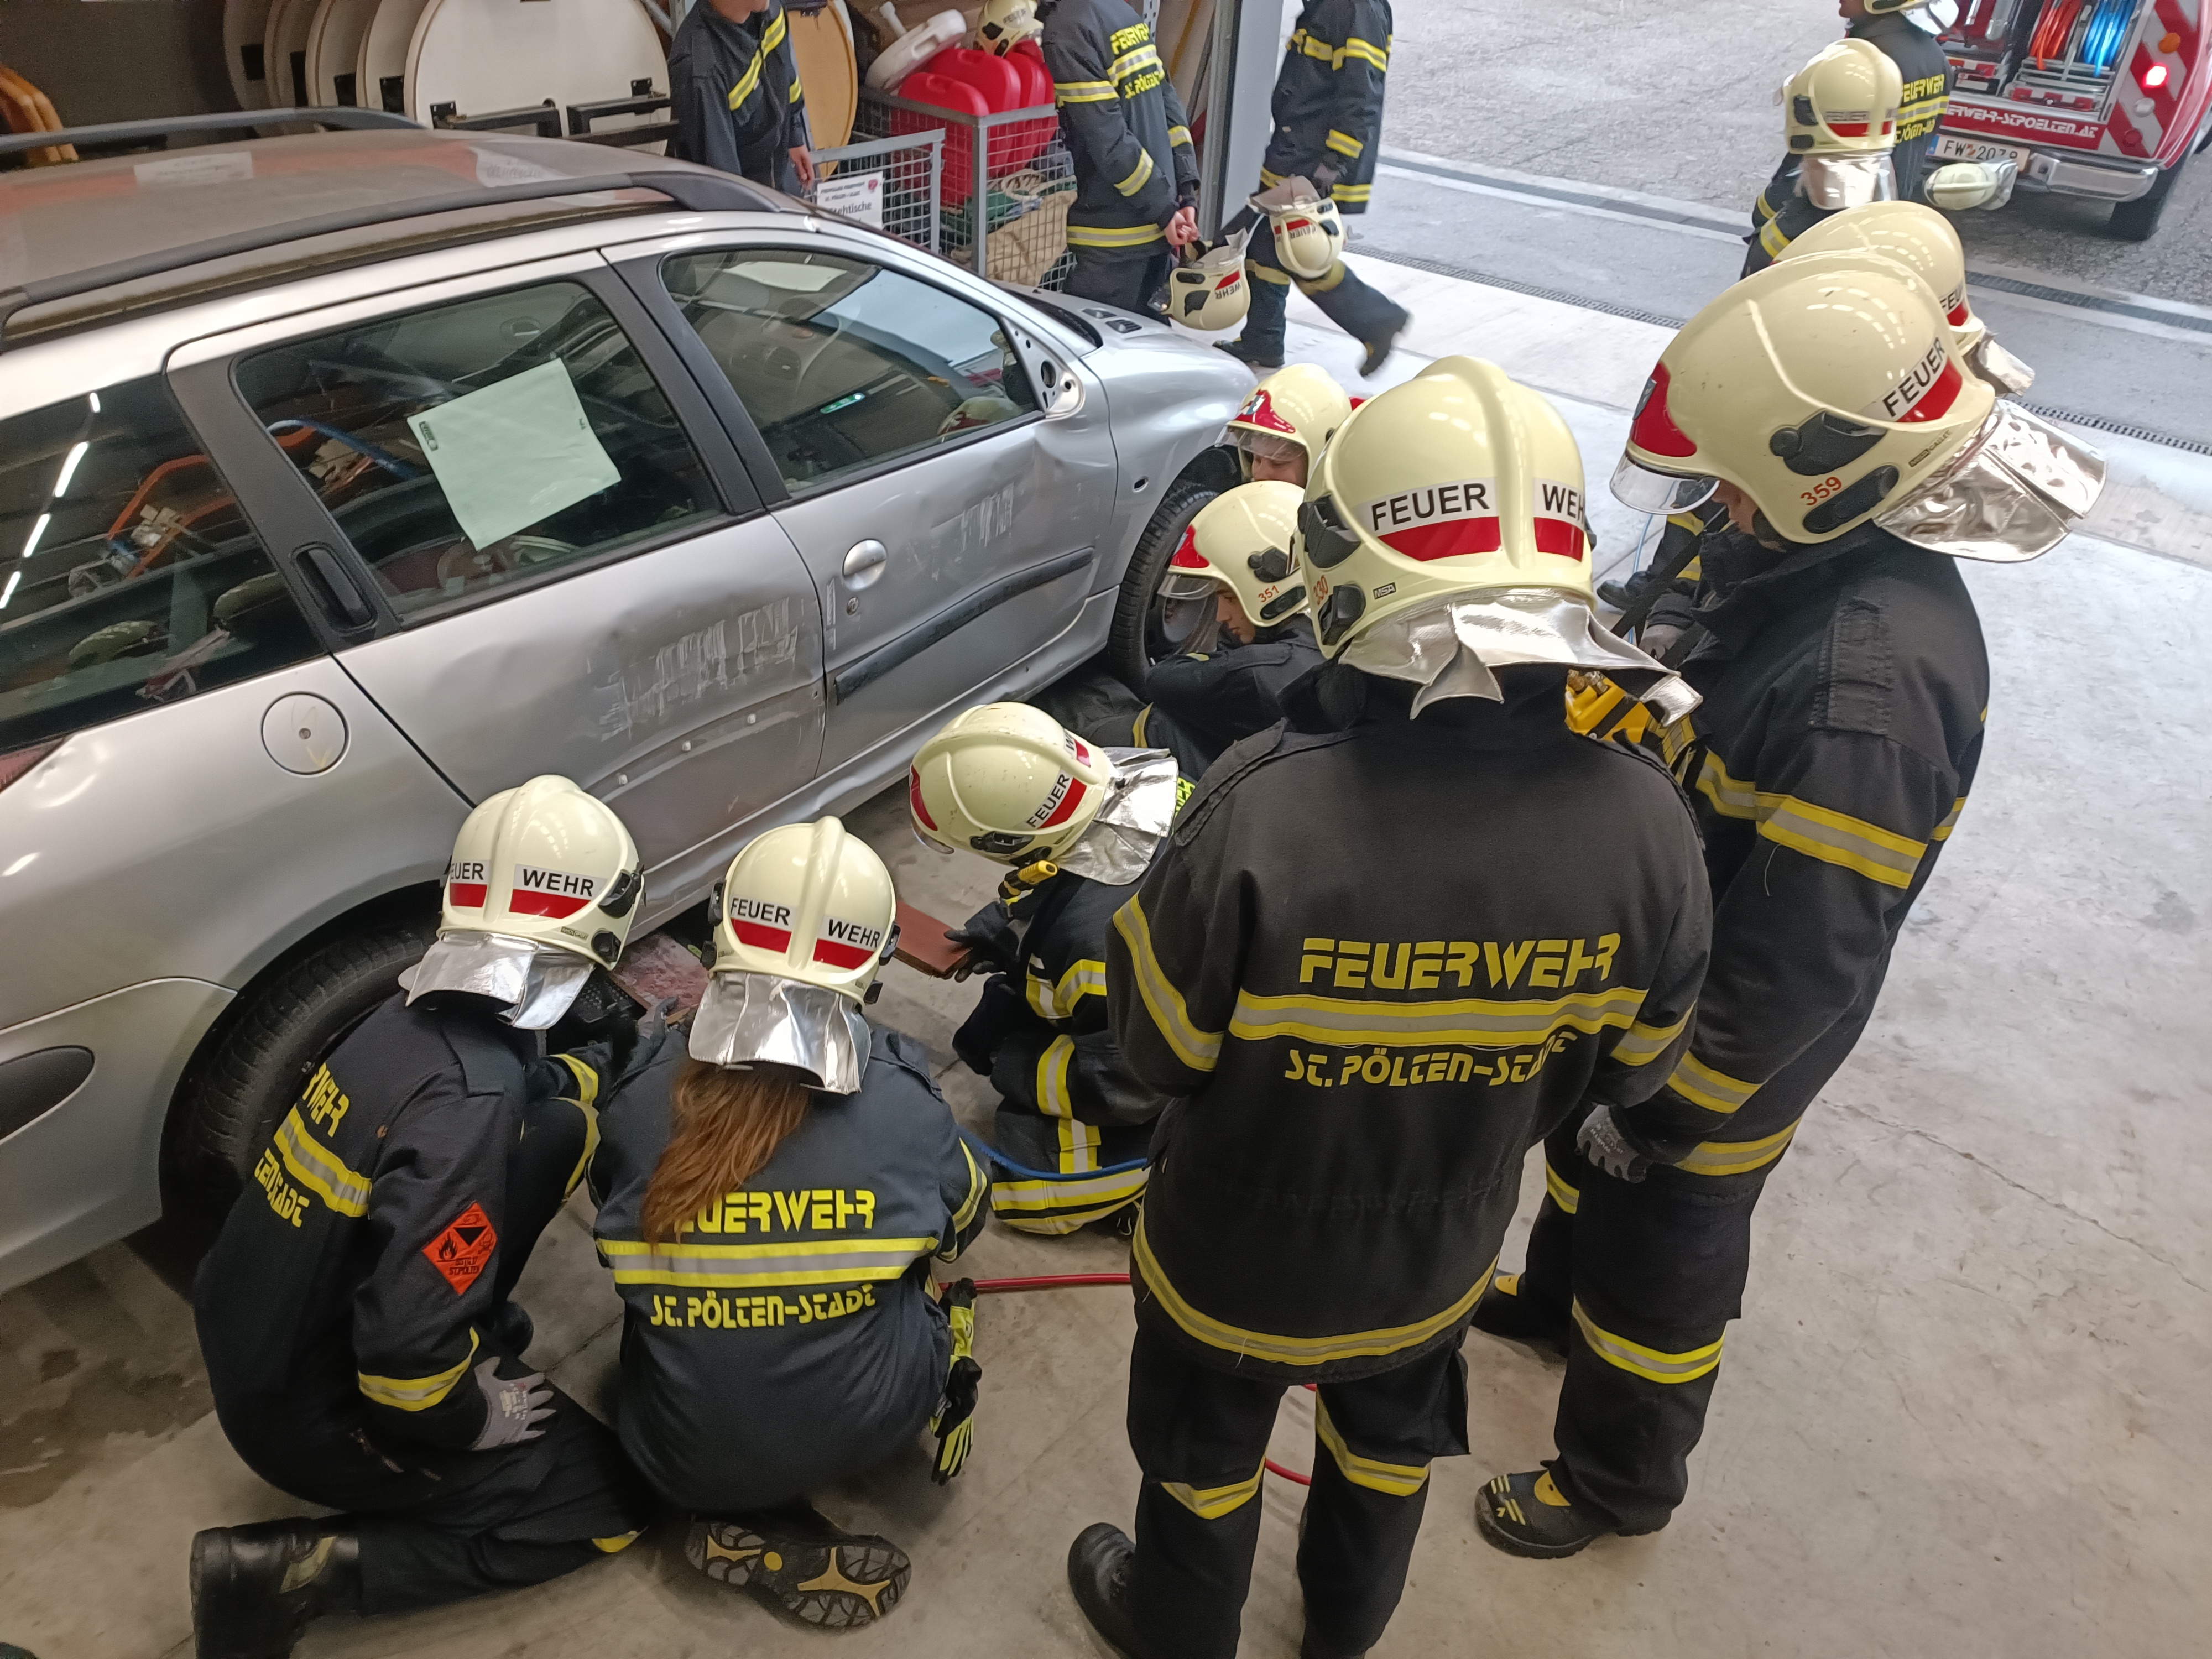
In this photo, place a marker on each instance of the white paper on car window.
(794, 278)
(514, 453)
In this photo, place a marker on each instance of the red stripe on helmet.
(469, 895)
(1259, 411)
(1655, 430)
(1848, 129)
(1562, 538)
(913, 798)
(1958, 314)
(1452, 538)
(559, 906)
(1062, 812)
(1187, 555)
(1937, 399)
(760, 935)
(840, 955)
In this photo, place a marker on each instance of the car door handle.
(341, 598)
(865, 563)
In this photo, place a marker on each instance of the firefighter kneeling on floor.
(1078, 825)
(1235, 552)
(1375, 963)
(354, 1312)
(1829, 404)
(771, 1192)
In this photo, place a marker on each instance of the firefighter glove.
(514, 1407)
(1603, 1144)
(954, 1423)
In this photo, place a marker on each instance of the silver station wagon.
(347, 478)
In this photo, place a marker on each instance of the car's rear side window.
(128, 576)
(465, 446)
(842, 364)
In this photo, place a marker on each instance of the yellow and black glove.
(954, 1423)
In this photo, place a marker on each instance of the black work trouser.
(1366, 315)
(1200, 1436)
(1114, 276)
(1645, 1276)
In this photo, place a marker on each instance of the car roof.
(80, 218)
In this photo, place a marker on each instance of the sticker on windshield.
(514, 453)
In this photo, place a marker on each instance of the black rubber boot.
(1379, 348)
(1098, 1572)
(1256, 356)
(1503, 1311)
(255, 1588)
(798, 1559)
(1528, 1515)
(511, 1327)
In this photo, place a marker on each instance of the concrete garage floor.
(1962, 1415)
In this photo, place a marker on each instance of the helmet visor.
(1637, 486)
(1188, 585)
(1266, 446)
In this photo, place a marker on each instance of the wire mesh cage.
(894, 184)
(1006, 175)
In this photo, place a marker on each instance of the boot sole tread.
(832, 1586)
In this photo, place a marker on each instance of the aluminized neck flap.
(2013, 493)
(1832, 182)
(535, 984)
(748, 1018)
(1449, 648)
(1994, 364)
(1140, 810)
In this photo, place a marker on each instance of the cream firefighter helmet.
(1457, 480)
(1002, 25)
(543, 886)
(1210, 293)
(1308, 235)
(1008, 782)
(1965, 185)
(1298, 407)
(1241, 540)
(1825, 388)
(804, 921)
(1844, 102)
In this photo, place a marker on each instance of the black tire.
(268, 1046)
(1143, 633)
(2135, 221)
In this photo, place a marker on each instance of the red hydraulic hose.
(1067, 1281)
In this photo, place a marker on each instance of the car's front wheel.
(1148, 628)
(268, 1046)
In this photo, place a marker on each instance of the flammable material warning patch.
(463, 1250)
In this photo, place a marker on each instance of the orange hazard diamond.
(462, 1251)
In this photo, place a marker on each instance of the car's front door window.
(842, 364)
(465, 446)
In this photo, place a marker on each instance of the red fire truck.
(2102, 98)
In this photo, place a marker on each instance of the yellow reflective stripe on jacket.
(734, 1267)
(1351, 193)
(1137, 175)
(1052, 1098)
(1365, 52)
(588, 1080)
(977, 1186)
(1301, 42)
(1641, 1044)
(1837, 838)
(1732, 798)
(1199, 1050)
(1689, 521)
(1211, 1503)
(1086, 978)
(316, 1168)
(1343, 142)
(1773, 238)
(1762, 208)
(1716, 1091)
(1049, 1206)
(1111, 235)
(415, 1394)
(1652, 1363)
(772, 36)
(1178, 135)
(1084, 92)
(1942, 831)
(1133, 63)
(797, 96)
(746, 82)
(1568, 1198)
(1396, 1479)
(1695, 570)
(1269, 180)
(1477, 1023)
(1295, 1350)
(1728, 1157)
